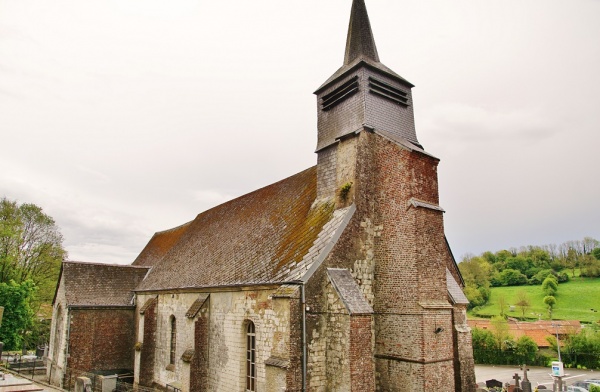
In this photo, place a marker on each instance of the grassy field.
(574, 301)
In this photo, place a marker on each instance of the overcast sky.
(121, 118)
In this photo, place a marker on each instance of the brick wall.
(361, 354)
(147, 354)
(199, 365)
(101, 339)
(398, 255)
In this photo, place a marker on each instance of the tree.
(596, 253)
(550, 285)
(523, 302)
(526, 350)
(582, 349)
(590, 244)
(18, 315)
(500, 331)
(572, 260)
(475, 271)
(30, 246)
(550, 301)
(502, 305)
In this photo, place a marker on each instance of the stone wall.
(58, 339)
(464, 363)
(217, 336)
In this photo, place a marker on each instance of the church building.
(337, 278)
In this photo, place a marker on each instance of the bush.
(509, 277)
(562, 277)
(539, 277)
(550, 285)
(591, 270)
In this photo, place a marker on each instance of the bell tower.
(368, 156)
(361, 95)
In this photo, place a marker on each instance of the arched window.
(173, 340)
(250, 357)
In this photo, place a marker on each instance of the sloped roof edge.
(317, 263)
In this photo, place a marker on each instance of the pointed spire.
(360, 42)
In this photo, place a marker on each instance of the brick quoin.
(199, 365)
(361, 354)
(148, 347)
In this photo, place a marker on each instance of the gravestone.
(517, 378)
(83, 384)
(493, 383)
(525, 384)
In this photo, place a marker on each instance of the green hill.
(574, 301)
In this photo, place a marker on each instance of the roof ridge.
(103, 264)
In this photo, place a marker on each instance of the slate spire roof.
(360, 48)
(360, 42)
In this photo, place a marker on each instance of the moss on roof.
(246, 240)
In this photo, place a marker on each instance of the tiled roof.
(196, 306)
(88, 284)
(159, 244)
(262, 237)
(454, 289)
(349, 291)
(538, 331)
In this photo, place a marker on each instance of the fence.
(28, 365)
(105, 382)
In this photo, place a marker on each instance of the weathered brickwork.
(145, 374)
(398, 255)
(101, 339)
(361, 354)
(200, 364)
(294, 372)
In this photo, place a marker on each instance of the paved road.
(537, 375)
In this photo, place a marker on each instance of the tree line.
(31, 252)
(528, 265)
